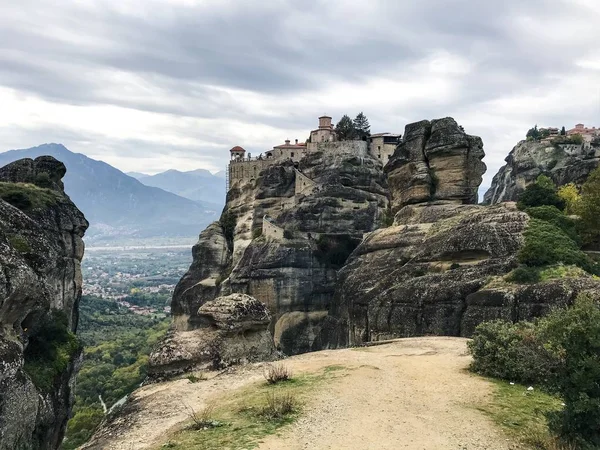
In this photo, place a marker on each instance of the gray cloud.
(248, 64)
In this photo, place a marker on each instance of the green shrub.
(454, 266)
(19, 243)
(256, 233)
(228, 222)
(560, 353)
(288, 234)
(82, 426)
(50, 350)
(17, 199)
(524, 274)
(546, 244)
(387, 219)
(513, 352)
(42, 179)
(541, 192)
(556, 217)
(27, 196)
(574, 333)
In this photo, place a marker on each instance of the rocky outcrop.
(331, 276)
(41, 248)
(200, 284)
(293, 274)
(229, 330)
(436, 160)
(564, 163)
(439, 270)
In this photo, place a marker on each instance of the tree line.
(348, 129)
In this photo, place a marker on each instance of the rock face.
(41, 248)
(304, 238)
(436, 160)
(439, 271)
(229, 330)
(564, 163)
(323, 204)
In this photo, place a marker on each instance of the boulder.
(230, 330)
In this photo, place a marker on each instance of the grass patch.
(276, 373)
(522, 414)
(252, 413)
(27, 196)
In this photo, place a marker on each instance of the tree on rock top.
(533, 134)
(344, 129)
(361, 126)
(540, 193)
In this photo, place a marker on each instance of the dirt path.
(409, 394)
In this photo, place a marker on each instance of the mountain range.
(198, 185)
(119, 206)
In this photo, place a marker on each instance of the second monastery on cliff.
(244, 166)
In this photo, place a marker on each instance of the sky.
(149, 85)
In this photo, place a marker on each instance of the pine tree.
(345, 129)
(563, 132)
(533, 133)
(362, 127)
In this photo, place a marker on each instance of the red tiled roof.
(237, 148)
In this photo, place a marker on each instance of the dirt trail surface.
(408, 394)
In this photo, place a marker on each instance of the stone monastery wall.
(304, 185)
(270, 230)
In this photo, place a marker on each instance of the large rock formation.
(564, 163)
(40, 287)
(436, 160)
(229, 330)
(321, 206)
(439, 270)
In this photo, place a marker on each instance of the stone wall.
(304, 185)
(270, 230)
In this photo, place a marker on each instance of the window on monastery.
(379, 147)
(292, 154)
(379, 156)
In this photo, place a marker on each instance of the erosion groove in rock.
(41, 249)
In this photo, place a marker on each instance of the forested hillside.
(116, 347)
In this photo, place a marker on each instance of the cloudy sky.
(149, 85)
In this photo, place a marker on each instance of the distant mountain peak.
(118, 205)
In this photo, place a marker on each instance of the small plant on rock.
(195, 378)
(276, 373)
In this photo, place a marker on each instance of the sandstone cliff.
(40, 253)
(439, 270)
(307, 239)
(281, 239)
(564, 163)
(436, 160)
